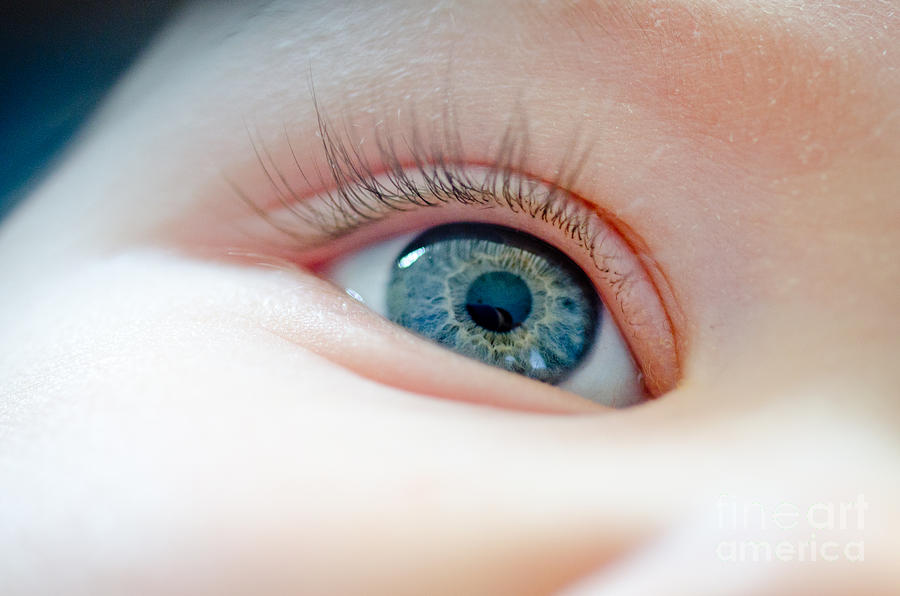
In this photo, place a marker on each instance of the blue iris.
(498, 295)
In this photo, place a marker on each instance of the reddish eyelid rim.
(658, 382)
(659, 281)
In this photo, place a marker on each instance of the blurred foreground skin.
(177, 422)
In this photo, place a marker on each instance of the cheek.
(221, 452)
(197, 476)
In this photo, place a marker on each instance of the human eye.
(484, 259)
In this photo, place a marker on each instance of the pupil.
(498, 301)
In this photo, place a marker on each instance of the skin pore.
(182, 413)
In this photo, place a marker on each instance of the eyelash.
(359, 194)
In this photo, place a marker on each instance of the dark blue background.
(57, 60)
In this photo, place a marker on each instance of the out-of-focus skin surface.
(174, 420)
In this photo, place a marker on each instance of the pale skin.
(177, 416)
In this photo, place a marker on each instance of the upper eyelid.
(346, 176)
(439, 154)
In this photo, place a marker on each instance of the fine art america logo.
(823, 531)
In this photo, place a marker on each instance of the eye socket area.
(635, 308)
(358, 214)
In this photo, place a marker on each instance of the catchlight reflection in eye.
(500, 296)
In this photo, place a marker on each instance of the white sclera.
(607, 375)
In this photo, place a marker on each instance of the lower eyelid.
(341, 330)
